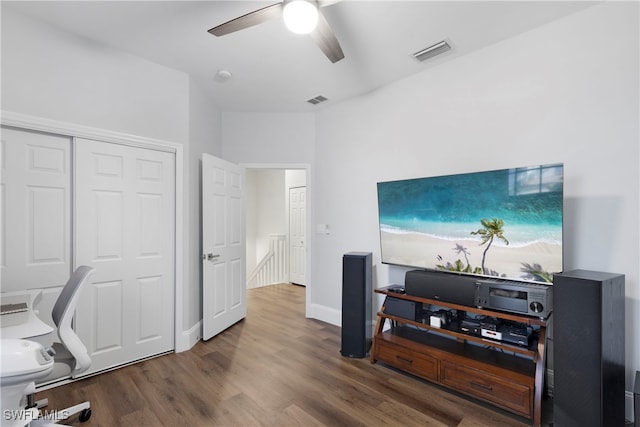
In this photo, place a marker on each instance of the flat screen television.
(504, 223)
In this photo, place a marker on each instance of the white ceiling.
(275, 70)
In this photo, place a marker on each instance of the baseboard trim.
(325, 314)
(628, 406)
(189, 338)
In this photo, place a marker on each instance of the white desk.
(25, 324)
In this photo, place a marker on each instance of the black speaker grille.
(356, 304)
(588, 349)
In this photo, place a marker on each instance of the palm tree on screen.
(489, 231)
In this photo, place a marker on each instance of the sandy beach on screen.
(414, 249)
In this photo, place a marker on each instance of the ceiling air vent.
(317, 100)
(431, 51)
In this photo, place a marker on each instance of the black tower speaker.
(588, 349)
(357, 321)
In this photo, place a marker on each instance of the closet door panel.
(36, 210)
(107, 209)
(125, 210)
(105, 300)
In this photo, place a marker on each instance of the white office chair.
(71, 357)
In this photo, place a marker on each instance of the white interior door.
(125, 229)
(297, 236)
(35, 216)
(223, 243)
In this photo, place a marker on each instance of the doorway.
(270, 221)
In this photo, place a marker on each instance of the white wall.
(54, 74)
(566, 92)
(295, 178)
(268, 137)
(204, 137)
(266, 211)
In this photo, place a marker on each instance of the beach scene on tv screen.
(505, 223)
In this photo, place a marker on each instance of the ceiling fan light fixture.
(300, 16)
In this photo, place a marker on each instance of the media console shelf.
(508, 376)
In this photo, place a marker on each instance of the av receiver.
(530, 299)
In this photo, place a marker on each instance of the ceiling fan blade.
(249, 20)
(326, 40)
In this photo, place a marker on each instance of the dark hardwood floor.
(275, 368)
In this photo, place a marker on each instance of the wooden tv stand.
(508, 376)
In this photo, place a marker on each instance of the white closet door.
(35, 199)
(125, 209)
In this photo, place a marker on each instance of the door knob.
(210, 256)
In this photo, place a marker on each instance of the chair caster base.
(85, 415)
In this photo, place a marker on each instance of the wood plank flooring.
(275, 368)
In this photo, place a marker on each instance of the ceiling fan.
(318, 29)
